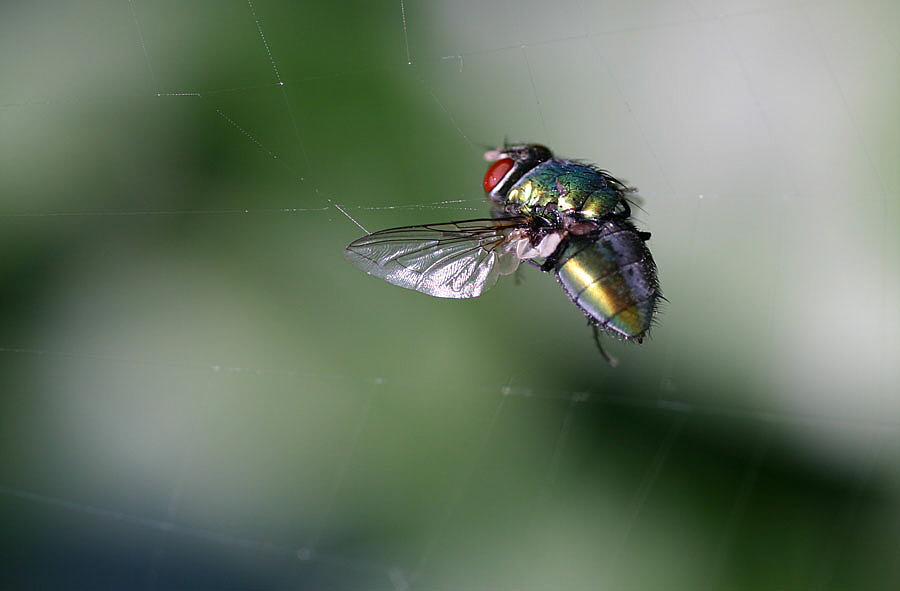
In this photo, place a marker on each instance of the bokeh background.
(196, 391)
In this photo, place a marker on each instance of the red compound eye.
(496, 173)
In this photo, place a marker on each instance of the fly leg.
(612, 361)
(549, 264)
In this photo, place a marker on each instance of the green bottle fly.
(558, 215)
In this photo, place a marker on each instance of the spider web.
(198, 392)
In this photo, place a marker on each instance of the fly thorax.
(601, 203)
(524, 194)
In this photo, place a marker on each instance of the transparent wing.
(452, 260)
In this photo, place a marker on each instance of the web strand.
(140, 34)
(405, 33)
(265, 43)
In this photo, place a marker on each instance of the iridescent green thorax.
(570, 186)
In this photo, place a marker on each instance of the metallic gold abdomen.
(611, 276)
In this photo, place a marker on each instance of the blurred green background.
(196, 391)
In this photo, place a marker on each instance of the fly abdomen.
(611, 276)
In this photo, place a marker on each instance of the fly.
(559, 215)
